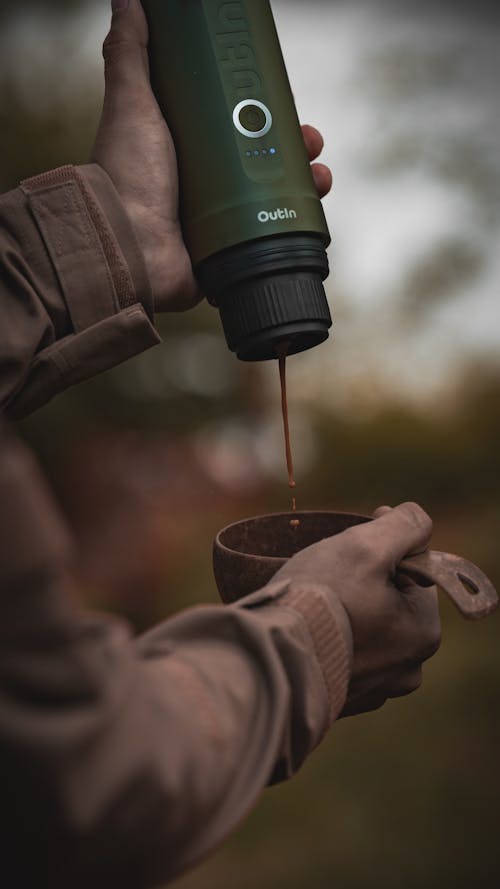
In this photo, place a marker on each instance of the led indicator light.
(248, 153)
(272, 151)
(256, 153)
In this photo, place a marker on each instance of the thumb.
(125, 51)
(400, 531)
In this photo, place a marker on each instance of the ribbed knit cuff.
(330, 631)
(329, 628)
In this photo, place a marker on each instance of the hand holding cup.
(369, 567)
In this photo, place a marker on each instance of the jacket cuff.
(97, 184)
(82, 356)
(331, 634)
(90, 241)
(102, 277)
(328, 627)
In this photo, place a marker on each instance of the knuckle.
(418, 516)
(407, 683)
(381, 510)
(433, 644)
(423, 624)
(428, 641)
(358, 545)
(117, 45)
(111, 49)
(108, 44)
(414, 682)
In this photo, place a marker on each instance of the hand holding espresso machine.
(251, 215)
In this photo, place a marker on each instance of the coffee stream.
(286, 426)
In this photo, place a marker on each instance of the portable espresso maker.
(251, 216)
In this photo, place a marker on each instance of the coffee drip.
(282, 355)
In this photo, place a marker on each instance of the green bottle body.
(245, 180)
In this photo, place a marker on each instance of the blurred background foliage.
(152, 458)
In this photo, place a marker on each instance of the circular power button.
(252, 119)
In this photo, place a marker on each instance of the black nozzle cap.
(260, 314)
(269, 291)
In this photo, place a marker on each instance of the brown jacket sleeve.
(74, 294)
(123, 761)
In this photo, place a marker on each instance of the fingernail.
(119, 5)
